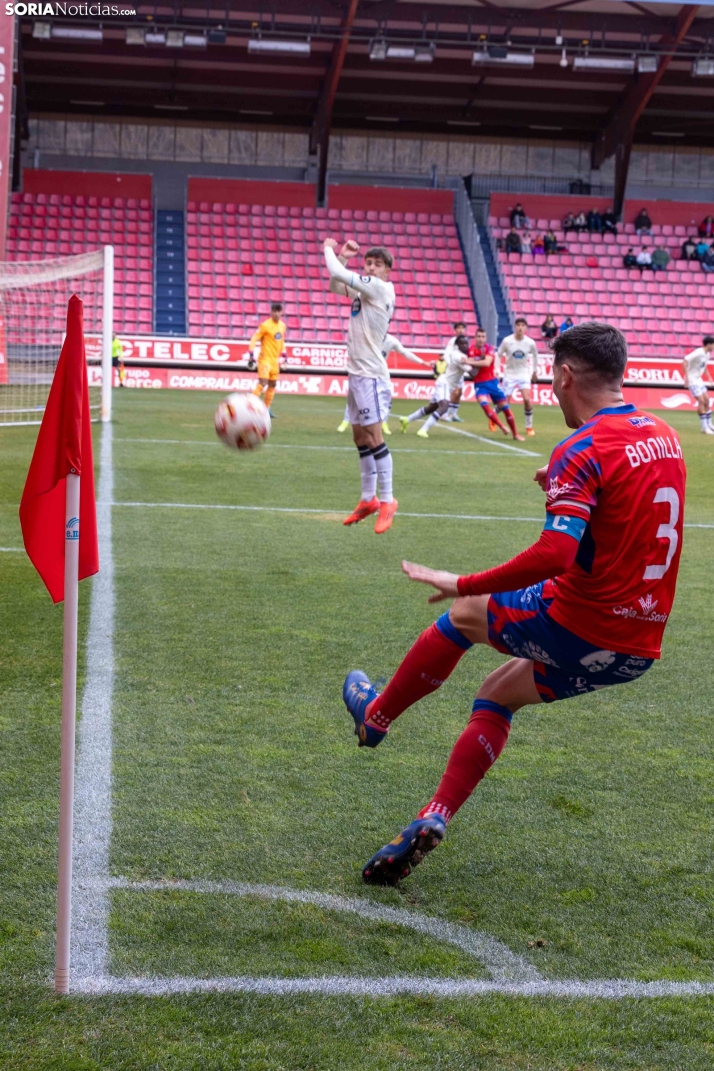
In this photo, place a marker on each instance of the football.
(242, 421)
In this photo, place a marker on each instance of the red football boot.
(386, 516)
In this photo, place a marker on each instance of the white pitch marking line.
(11, 550)
(93, 802)
(342, 986)
(502, 964)
(491, 442)
(345, 449)
(307, 509)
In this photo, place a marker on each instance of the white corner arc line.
(491, 442)
(502, 964)
(93, 805)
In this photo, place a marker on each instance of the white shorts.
(510, 382)
(441, 391)
(368, 400)
(698, 387)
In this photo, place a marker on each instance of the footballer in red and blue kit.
(601, 622)
(488, 389)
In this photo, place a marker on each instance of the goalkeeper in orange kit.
(271, 338)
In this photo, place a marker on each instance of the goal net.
(33, 317)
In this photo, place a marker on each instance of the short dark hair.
(276, 306)
(462, 341)
(459, 323)
(480, 330)
(520, 320)
(708, 340)
(598, 349)
(382, 253)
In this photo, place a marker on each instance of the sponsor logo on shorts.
(596, 661)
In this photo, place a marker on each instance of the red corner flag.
(64, 445)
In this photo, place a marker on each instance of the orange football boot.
(386, 516)
(363, 510)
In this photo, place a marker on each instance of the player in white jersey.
(369, 395)
(452, 412)
(694, 368)
(391, 345)
(448, 383)
(521, 361)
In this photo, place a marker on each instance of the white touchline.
(345, 986)
(93, 782)
(424, 451)
(491, 442)
(11, 550)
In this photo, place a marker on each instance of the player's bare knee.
(469, 616)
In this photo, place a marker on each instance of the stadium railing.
(473, 253)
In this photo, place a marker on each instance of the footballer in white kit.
(694, 367)
(451, 380)
(521, 364)
(391, 345)
(369, 395)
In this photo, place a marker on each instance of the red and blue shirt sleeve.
(573, 481)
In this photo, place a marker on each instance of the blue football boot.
(397, 859)
(358, 693)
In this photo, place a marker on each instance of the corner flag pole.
(69, 710)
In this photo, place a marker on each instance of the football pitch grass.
(241, 803)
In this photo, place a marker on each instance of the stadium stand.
(660, 313)
(49, 225)
(240, 256)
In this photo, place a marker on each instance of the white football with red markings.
(242, 421)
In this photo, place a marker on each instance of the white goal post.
(33, 312)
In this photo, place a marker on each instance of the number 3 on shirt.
(666, 531)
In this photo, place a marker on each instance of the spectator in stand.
(689, 249)
(581, 222)
(550, 242)
(569, 223)
(567, 323)
(643, 223)
(609, 222)
(526, 243)
(594, 221)
(629, 260)
(538, 246)
(518, 217)
(660, 258)
(708, 259)
(513, 241)
(702, 249)
(644, 259)
(706, 227)
(549, 328)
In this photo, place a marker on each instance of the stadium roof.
(522, 68)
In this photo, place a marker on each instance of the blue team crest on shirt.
(642, 421)
(356, 307)
(277, 336)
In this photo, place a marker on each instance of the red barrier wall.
(87, 183)
(302, 195)
(555, 206)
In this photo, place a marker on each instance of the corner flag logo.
(72, 528)
(648, 604)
